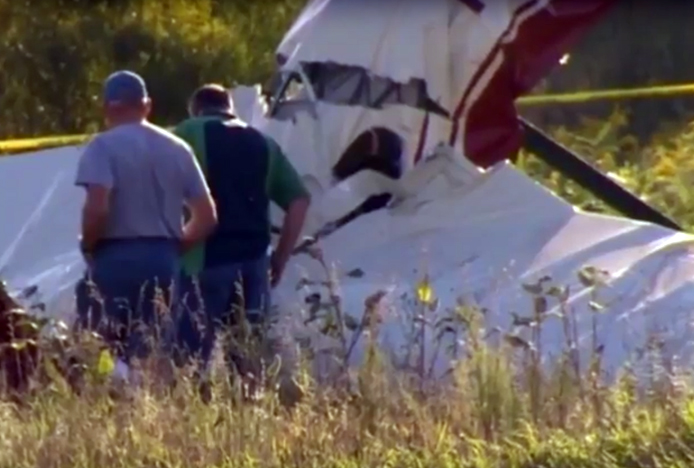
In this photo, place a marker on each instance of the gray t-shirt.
(151, 173)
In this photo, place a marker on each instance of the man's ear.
(193, 110)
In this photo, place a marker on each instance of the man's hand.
(87, 252)
(277, 266)
(203, 220)
(291, 229)
(187, 243)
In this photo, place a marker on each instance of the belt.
(154, 240)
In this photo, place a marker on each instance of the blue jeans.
(127, 293)
(213, 300)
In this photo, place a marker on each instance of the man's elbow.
(210, 217)
(297, 210)
(304, 201)
(94, 222)
(207, 214)
(300, 204)
(95, 213)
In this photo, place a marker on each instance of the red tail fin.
(526, 52)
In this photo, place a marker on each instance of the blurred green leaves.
(55, 55)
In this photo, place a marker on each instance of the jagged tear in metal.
(356, 86)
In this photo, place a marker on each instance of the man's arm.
(293, 223)
(95, 174)
(202, 210)
(286, 189)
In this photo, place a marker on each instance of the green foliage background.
(55, 55)
(660, 171)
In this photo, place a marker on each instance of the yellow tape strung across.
(609, 94)
(35, 144)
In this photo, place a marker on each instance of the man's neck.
(127, 121)
(225, 114)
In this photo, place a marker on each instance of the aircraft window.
(349, 85)
(355, 86)
(291, 98)
(377, 148)
(292, 89)
(295, 91)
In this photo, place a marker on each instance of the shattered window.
(349, 85)
(295, 91)
(291, 88)
(291, 97)
(356, 86)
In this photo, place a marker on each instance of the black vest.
(238, 162)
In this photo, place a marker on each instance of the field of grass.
(499, 407)
(501, 412)
(485, 423)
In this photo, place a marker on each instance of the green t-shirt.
(282, 182)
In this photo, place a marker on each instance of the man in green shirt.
(245, 171)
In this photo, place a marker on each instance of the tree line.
(55, 55)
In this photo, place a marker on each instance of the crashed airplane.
(402, 130)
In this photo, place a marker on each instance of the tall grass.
(501, 407)
(484, 421)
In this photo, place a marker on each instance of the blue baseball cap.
(125, 87)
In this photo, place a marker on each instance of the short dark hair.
(211, 97)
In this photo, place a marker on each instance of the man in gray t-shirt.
(138, 178)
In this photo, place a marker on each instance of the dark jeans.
(127, 293)
(215, 300)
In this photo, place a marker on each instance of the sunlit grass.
(389, 427)
(499, 407)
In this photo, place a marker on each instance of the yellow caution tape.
(37, 144)
(609, 94)
(25, 145)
